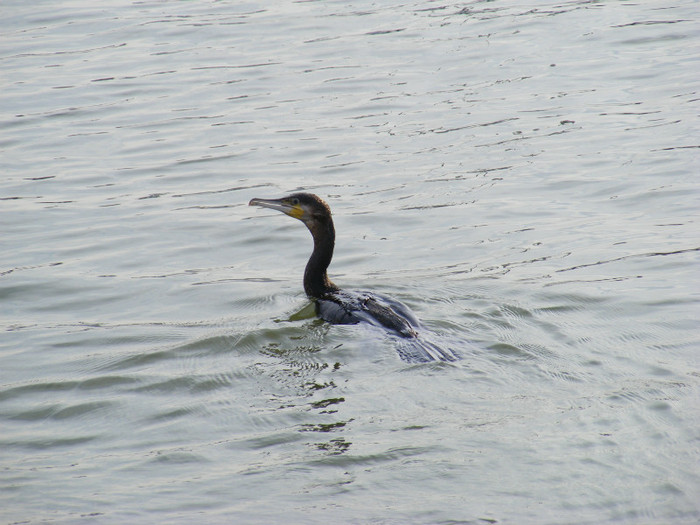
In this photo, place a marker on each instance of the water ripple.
(523, 176)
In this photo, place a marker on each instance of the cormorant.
(338, 306)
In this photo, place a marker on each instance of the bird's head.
(307, 207)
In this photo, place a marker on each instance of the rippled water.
(523, 176)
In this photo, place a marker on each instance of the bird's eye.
(295, 201)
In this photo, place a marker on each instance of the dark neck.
(316, 282)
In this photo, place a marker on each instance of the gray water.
(523, 175)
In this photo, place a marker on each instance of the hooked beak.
(279, 205)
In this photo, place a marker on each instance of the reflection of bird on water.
(340, 307)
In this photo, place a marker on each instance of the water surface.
(524, 177)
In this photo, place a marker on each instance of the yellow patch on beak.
(297, 212)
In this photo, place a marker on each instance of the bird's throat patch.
(297, 212)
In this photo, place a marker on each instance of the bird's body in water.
(339, 306)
